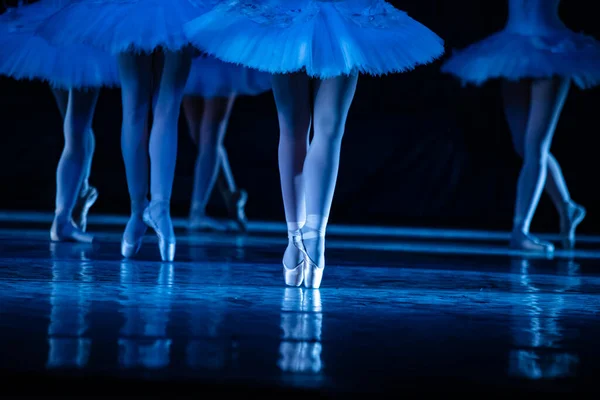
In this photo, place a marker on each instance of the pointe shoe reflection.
(70, 298)
(210, 348)
(143, 340)
(84, 202)
(538, 334)
(301, 324)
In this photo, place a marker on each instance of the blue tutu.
(323, 38)
(210, 78)
(534, 44)
(513, 56)
(120, 26)
(23, 55)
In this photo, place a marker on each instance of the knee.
(78, 137)
(209, 146)
(330, 126)
(135, 116)
(519, 148)
(536, 155)
(294, 121)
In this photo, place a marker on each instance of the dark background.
(419, 149)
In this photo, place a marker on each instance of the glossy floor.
(442, 311)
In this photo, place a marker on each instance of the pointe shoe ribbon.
(313, 273)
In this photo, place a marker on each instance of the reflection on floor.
(438, 312)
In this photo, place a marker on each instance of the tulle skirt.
(23, 55)
(210, 77)
(120, 26)
(513, 56)
(323, 38)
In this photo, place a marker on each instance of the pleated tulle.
(325, 39)
(210, 77)
(123, 25)
(513, 56)
(23, 55)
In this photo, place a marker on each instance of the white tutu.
(210, 77)
(323, 38)
(123, 25)
(23, 55)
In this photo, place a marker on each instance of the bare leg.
(547, 100)
(292, 97)
(163, 148)
(212, 132)
(74, 164)
(136, 94)
(517, 99)
(332, 100)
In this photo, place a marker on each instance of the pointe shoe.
(294, 276)
(576, 214)
(313, 273)
(82, 207)
(129, 249)
(68, 232)
(205, 223)
(526, 242)
(236, 202)
(166, 241)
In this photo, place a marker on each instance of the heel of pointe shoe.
(313, 274)
(568, 241)
(236, 202)
(525, 242)
(69, 233)
(294, 276)
(129, 250)
(165, 247)
(82, 207)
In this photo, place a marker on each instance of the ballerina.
(136, 32)
(316, 50)
(537, 56)
(216, 84)
(75, 74)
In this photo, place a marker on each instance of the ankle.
(294, 230)
(315, 227)
(138, 206)
(197, 211)
(157, 201)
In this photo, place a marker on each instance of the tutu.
(26, 56)
(323, 38)
(539, 49)
(210, 77)
(120, 26)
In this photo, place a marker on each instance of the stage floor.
(400, 310)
